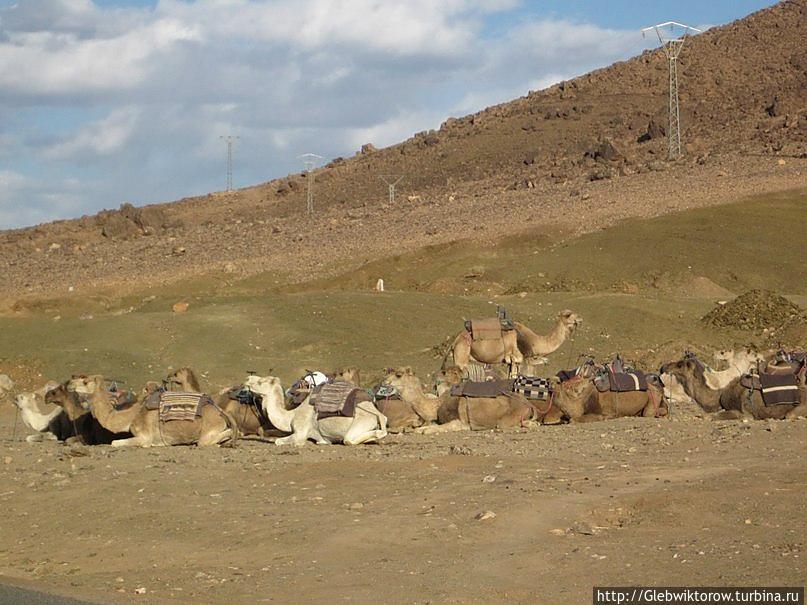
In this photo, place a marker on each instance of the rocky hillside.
(743, 95)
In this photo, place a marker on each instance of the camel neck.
(278, 415)
(116, 421)
(697, 388)
(36, 420)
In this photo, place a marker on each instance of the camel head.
(686, 370)
(401, 379)
(446, 378)
(26, 401)
(183, 379)
(265, 386)
(85, 386)
(349, 374)
(574, 388)
(59, 395)
(570, 319)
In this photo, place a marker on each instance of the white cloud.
(287, 76)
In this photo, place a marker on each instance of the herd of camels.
(487, 381)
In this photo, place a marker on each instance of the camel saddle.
(622, 382)
(338, 398)
(778, 385)
(177, 406)
(385, 392)
(533, 387)
(488, 389)
(488, 329)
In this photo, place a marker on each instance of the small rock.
(356, 506)
(558, 531)
(178, 250)
(140, 590)
(180, 307)
(229, 267)
(7, 460)
(781, 162)
(485, 516)
(460, 450)
(489, 479)
(582, 528)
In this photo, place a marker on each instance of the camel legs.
(800, 411)
(215, 437)
(367, 425)
(41, 437)
(448, 427)
(131, 442)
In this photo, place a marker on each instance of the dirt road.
(687, 501)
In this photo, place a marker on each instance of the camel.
(368, 424)
(412, 407)
(512, 410)
(247, 412)
(213, 427)
(183, 380)
(48, 426)
(734, 401)
(513, 346)
(6, 385)
(580, 401)
(81, 425)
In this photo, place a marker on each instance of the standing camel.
(513, 346)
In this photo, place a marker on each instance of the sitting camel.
(213, 426)
(513, 346)
(739, 363)
(367, 424)
(407, 406)
(580, 401)
(48, 426)
(507, 410)
(80, 423)
(734, 401)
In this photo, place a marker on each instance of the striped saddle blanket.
(177, 406)
(776, 389)
(338, 398)
(533, 387)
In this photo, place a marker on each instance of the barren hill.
(574, 157)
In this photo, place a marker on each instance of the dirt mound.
(756, 310)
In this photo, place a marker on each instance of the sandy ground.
(686, 501)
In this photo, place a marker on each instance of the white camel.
(47, 426)
(368, 424)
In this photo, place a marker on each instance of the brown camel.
(734, 401)
(245, 408)
(213, 427)
(513, 346)
(580, 401)
(411, 407)
(510, 410)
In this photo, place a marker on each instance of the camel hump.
(488, 329)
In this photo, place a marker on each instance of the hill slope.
(743, 91)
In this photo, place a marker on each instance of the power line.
(230, 139)
(672, 48)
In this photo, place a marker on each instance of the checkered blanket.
(533, 387)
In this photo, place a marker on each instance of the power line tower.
(391, 180)
(672, 45)
(230, 139)
(310, 161)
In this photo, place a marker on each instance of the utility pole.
(310, 161)
(391, 180)
(672, 46)
(230, 139)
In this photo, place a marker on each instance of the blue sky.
(125, 100)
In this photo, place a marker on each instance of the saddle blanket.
(488, 389)
(338, 398)
(384, 392)
(779, 389)
(487, 329)
(622, 383)
(533, 387)
(178, 406)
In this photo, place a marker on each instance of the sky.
(111, 101)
